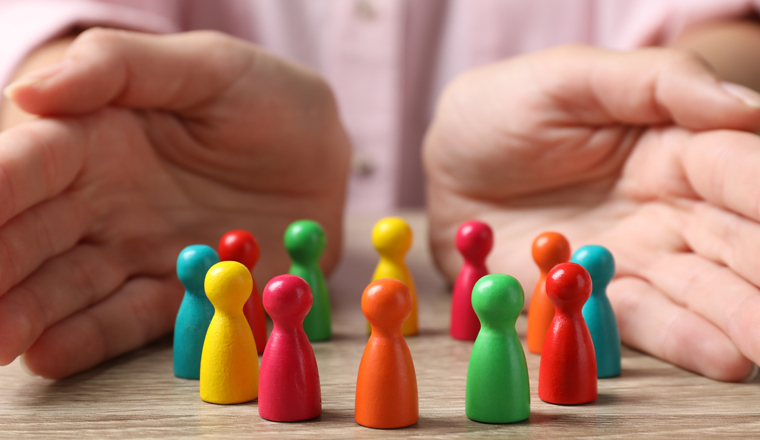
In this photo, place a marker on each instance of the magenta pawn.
(474, 241)
(289, 379)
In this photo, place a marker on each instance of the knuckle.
(213, 41)
(457, 88)
(222, 53)
(105, 46)
(99, 37)
(572, 49)
(679, 59)
(323, 92)
(213, 36)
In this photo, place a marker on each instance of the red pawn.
(474, 241)
(289, 379)
(567, 374)
(241, 246)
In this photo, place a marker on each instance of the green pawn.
(498, 390)
(305, 241)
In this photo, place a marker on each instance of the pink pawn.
(241, 246)
(474, 241)
(289, 379)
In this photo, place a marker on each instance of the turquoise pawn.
(597, 312)
(305, 241)
(498, 389)
(195, 312)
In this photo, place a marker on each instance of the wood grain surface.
(137, 396)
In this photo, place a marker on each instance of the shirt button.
(361, 165)
(365, 10)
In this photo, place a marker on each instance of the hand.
(148, 144)
(641, 152)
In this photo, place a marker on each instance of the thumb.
(172, 72)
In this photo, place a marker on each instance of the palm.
(653, 196)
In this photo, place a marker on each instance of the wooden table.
(137, 396)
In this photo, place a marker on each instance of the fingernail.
(22, 362)
(752, 375)
(746, 95)
(33, 78)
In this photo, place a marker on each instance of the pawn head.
(228, 285)
(305, 240)
(392, 236)
(568, 285)
(550, 249)
(474, 240)
(192, 265)
(387, 303)
(599, 263)
(240, 246)
(497, 300)
(287, 298)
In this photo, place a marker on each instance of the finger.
(724, 237)
(722, 168)
(139, 312)
(714, 292)
(75, 280)
(172, 72)
(650, 322)
(36, 235)
(649, 86)
(62, 286)
(38, 160)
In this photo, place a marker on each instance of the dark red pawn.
(567, 374)
(289, 379)
(474, 241)
(241, 246)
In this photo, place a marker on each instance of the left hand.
(642, 152)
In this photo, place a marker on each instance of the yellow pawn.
(392, 238)
(229, 362)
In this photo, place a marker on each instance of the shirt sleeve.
(27, 24)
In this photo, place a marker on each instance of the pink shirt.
(387, 60)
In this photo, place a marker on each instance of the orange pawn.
(386, 388)
(549, 250)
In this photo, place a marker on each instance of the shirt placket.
(363, 63)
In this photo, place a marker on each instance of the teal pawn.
(597, 312)
(498, 390)
(305, 241)
(195, 312)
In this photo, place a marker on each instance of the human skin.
(148, 144)
(646, 153)
(730, 47)
(709, 40)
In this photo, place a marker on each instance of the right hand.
(147, 144)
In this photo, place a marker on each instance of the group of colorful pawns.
(221, 327)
